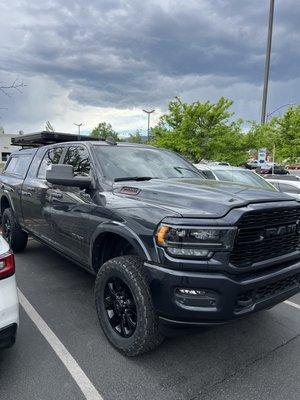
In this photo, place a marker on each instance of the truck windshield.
(129, 161)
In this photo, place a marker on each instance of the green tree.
(280, 133)
(201, 130)
(104, 130)
(288, 127)
(135, 137)
(263, 135)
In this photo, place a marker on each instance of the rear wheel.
(124, 306)
(12, 233)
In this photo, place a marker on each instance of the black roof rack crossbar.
(43, 138)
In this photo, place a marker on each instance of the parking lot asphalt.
(254, 358)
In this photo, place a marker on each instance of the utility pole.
(149, 113)
(267, 63)
(79, 126)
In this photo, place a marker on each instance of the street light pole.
(79, 126)
(149, 113)
(267, 63)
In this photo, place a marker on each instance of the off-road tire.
(146, 335)
(16, 238)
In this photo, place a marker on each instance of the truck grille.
(266, 234)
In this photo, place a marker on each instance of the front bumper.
(232, 296)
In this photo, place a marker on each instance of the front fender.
(125, 232)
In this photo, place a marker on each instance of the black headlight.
(194, 242)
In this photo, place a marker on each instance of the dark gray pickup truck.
(170, 249)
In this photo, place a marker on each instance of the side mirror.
(62, 174)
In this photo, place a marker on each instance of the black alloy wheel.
(6, 229)
(124, 306)
(120, 307)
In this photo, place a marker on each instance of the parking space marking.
(83, 382)
(290, 303)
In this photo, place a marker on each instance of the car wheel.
(12, 233)
(124, 306)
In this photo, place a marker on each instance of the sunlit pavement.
(254, 358)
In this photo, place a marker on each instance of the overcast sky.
(94, 60)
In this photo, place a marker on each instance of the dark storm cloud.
(128, 53)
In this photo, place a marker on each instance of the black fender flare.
(123, 231)
(6, 196)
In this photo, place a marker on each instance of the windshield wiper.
(196, 172)
(134, 178)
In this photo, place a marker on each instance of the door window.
(52, 156)
(18, 165)
(11, 165)
(78, 157)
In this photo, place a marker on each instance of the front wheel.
(124, 306)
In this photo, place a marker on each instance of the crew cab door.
(36, 194)
(71, 207)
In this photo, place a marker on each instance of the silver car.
(290, 187)
(236, 175)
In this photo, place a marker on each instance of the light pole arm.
(279, 108)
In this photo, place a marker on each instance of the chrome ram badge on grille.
(281, 230)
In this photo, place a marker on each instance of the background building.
(5, 147)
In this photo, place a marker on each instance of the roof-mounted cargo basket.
(39, 139)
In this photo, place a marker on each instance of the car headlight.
(194, 242)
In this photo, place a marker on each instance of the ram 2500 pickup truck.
(169, 248)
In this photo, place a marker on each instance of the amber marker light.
(161, 233)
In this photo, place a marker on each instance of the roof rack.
(43, 138)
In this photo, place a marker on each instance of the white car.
(236, 175)
(290, 187)
(9, 304)
(253, 164)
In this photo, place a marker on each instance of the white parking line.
(290, 303)
(85, 385)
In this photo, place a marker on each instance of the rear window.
(18, 165)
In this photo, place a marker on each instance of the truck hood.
(196, 198)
